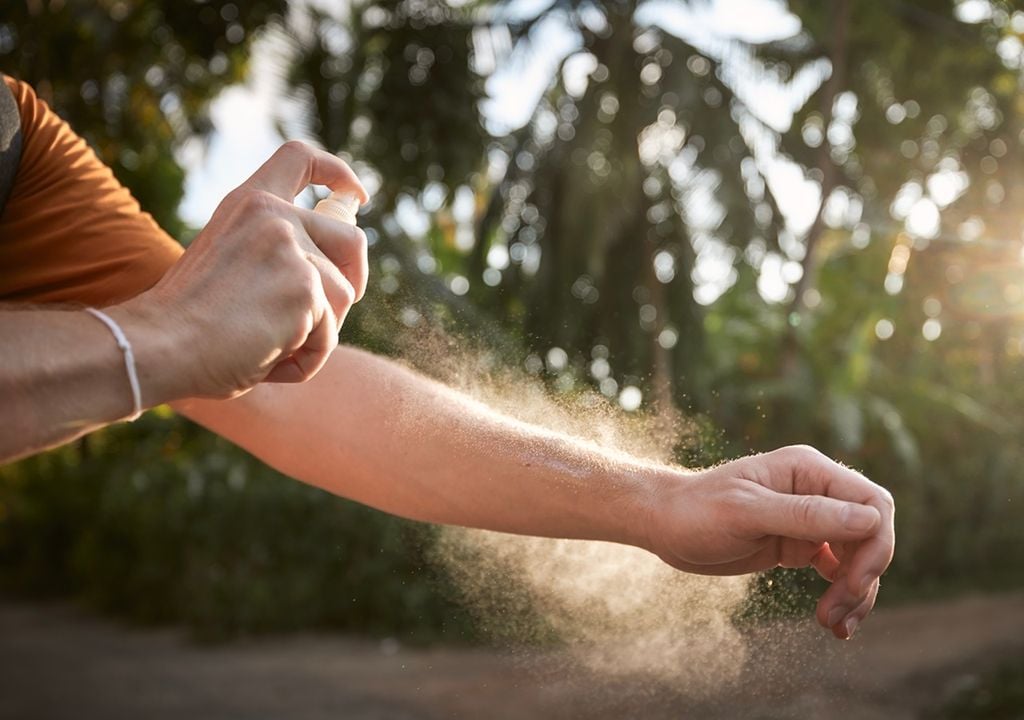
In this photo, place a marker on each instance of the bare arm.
(260, 295)
(371, 430)
(62, 375)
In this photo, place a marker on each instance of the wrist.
(649, 501)
(160, 344)
(666, 507)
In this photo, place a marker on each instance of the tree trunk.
(840, 17)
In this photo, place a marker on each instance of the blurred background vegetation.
(815, 237)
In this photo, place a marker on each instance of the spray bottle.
(341, 205)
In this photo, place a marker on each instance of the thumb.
(817, 518)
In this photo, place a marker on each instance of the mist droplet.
(630, 398)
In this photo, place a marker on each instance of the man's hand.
(262, 292)
(793, 507)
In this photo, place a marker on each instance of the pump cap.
(347, 199)
(341, 205)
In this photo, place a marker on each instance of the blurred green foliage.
(589, 230)
(134, 77)
(161, 521)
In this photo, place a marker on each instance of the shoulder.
(70, 232)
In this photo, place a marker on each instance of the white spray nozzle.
(342, 205)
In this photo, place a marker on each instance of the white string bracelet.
(129, 359)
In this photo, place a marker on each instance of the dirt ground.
(58, 662)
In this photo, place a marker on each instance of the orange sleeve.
(70, 232)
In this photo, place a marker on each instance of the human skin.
(241, 334)
(259, 297)
(370, 429)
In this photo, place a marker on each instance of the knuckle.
(887, 499)
(300, 286)
(307, 283)
(360, 236)
(805, 451)
(276, 243)
(251, 200)
(279, 228)
(348, 292)
(294, 147)
(332, 341)
(803, 509)
(235, 197)
(798, 455)
(326, 331)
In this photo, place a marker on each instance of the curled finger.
(343, 244)
(338, 290)
(825, 562)
(847, 626)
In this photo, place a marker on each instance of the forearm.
(371, 430)
(62, 375)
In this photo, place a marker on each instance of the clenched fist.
(261, 293)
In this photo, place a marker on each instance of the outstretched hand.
(793, 507)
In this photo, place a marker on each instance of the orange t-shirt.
(70, 232)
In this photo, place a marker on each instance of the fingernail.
(837, 614)
(859, 518)
(850, 626)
